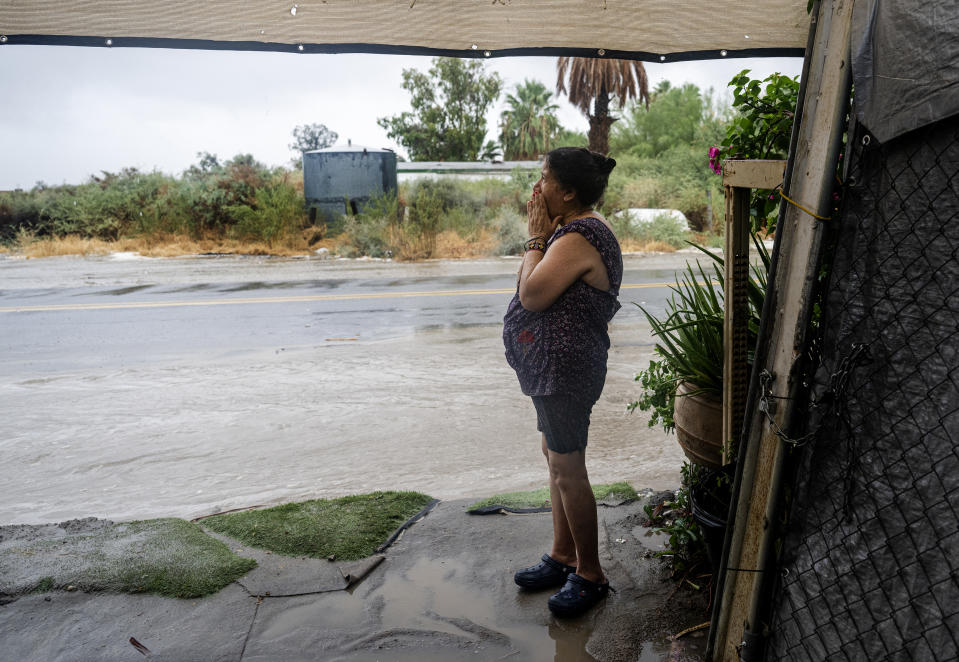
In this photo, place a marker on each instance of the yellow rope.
(701, 626)
(791, 201)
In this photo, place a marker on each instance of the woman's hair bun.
(604, 164)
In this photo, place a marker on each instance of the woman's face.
(552, 191)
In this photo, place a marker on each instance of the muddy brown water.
(436, 410)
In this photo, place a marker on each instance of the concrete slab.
(443, 591)
(279, 575)
(98, 626)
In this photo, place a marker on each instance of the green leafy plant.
(658, 396)
(685, 546)
(277, 214)
(690, 336)
(761, 129)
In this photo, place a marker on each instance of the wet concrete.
(186, 411)
(444, 591)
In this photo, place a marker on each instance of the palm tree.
(592, 82)
(529, 126)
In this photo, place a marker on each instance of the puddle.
(199, 287)
(650, 539)
(250, 287)
(337, 610)
(441, 596)
(117, 292)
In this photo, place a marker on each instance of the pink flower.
(714, 163)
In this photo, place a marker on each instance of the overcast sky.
(68, 112)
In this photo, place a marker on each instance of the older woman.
(555, 333)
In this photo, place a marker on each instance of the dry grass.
(451, 245)
(447, 245)
(409, 246)
(68, 245)
(170, 245)
(643, 246)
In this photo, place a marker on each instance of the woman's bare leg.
(564, 549)
(570, 481)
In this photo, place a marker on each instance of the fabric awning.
(652, 30)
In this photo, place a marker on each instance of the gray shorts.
(564, 419)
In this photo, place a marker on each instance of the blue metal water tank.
(340, 180)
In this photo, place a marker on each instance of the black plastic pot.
(710, 495)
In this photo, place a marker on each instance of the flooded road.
(136, 388)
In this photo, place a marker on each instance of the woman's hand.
(539, 222)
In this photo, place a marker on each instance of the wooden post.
(739, 178)
(789, 302)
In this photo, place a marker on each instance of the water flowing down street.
(136, 388)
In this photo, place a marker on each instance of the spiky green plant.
(690, 336)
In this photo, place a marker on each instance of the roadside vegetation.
(662, 141)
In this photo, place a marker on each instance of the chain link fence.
(871, 549)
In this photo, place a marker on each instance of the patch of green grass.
(615, 492)
(532, 499)
(611, 492)
(176, 558)
(350, 527)
(169, 557)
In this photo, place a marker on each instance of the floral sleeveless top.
(563, 349)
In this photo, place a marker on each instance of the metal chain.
(838, 381)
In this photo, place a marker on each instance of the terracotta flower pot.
(699, 425)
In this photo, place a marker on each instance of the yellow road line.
(260, 300)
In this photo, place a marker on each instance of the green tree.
(491, 152)
(307, 137)
(591, 83)
(678, 116)
(529, 126)
(569, 138)
(448, 120)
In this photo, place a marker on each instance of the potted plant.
(682, 386)
(682, 390)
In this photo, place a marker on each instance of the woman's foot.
(548, 573)
(578, 595)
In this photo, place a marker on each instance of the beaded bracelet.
(535, 244)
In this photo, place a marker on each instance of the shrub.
(19, 210)
(662, 228)
(276, 214)
(365, 236)
(510, 229)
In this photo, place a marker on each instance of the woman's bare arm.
(546, 276)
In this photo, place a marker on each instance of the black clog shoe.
(577, 596)
(548, 573)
